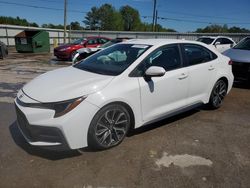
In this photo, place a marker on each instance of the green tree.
(75, 26)
(110, 19)
(221, 29)
(131, 18)
(92, 19)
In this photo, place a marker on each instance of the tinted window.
(113, 60)
(102, 40)
(218, 40)
(79, 41)
(167, 57)
(226, 41)
(196, 54)
(92, 41)
(206, 40)
(243, 44)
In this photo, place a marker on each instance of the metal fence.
(8, 32)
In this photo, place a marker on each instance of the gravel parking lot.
(199, 148)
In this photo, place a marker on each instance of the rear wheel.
(218, 93)
(109, 127)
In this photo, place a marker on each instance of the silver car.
(240, 56)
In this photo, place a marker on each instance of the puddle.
(182, 161)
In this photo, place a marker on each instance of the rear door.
(202, 65)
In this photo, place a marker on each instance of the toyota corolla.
(97, 101)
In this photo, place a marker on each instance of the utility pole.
(65, 21)
(154, 15)
(156, 20)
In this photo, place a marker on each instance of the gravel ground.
(199, 148)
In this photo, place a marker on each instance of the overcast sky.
(181, 15)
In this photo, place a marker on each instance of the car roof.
(159, 42)
(215, 37)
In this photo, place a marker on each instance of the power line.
(195, 15)
(195, 21)
(40, 7)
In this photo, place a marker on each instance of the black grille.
(23, 123)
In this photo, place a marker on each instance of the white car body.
(220, 43)
(149, 101)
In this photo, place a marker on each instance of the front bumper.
(40, 135)
(40, 128)
(62, 54)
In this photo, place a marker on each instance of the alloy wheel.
(111, 127)
(219, 92)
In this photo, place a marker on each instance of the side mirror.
(217, 43)
(155, 71)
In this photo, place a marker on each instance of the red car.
(68, 51)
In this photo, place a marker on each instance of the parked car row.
(85, 52)
(68, 51)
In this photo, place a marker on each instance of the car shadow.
(39, 151)
(55, 61)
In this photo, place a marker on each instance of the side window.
(102, 40)
(226, 41)
(196, 54)
(167, 57)
(218, 40)
(92, 41)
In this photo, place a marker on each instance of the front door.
(165, 94)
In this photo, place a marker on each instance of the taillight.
(230, 62)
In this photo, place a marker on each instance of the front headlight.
(64, 107)
(60, 108)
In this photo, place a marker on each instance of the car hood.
(238, 55)
(63, 46)
(65, 83)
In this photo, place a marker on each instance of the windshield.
(107, 44)
(244, 44)
(78, 41)
(110, 43)
(113, 60)
(206, 40)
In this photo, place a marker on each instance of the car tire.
(218, 94)
(109, 127)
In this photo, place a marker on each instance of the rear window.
(196, 54)
(243, 45)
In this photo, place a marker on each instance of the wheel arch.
(224, 79)
(128, 107)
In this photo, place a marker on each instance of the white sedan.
(220, 43)
(97, 101)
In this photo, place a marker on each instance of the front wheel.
(109, 127)
(218, 93)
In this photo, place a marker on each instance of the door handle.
(211, 68)
(182, 76)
